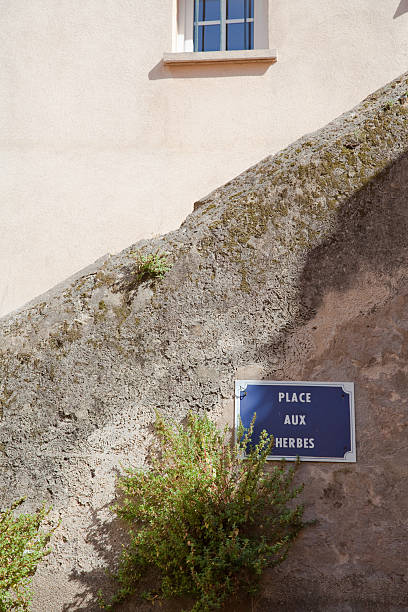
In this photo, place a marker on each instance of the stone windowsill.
(268, 56)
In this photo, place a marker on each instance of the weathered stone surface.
(296, 269)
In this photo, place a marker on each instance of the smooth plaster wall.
(102, 145)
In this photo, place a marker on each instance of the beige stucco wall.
(102, 145)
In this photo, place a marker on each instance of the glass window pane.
(240, 9)
(208, 38)
(209, 10)
(240, 36)
(235, 9)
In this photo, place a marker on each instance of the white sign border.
(348, 387)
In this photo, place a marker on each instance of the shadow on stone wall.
(106, 536)
(359, 540)
(371, 236)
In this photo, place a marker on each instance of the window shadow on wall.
(207, 71)
(402, 8)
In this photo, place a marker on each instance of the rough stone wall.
(296, 269)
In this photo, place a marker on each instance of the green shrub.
(205, 519)
(22, 546)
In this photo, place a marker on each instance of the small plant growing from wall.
(151, 266)
(143, 268)
(22, 546)
(206, 519)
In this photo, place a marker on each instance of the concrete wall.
(102, 145)
(296, 269)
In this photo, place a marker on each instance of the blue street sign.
(312, 420)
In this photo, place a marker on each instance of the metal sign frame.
(348, 387)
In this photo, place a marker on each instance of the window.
(221, 25)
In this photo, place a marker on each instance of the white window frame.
(183, 38)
